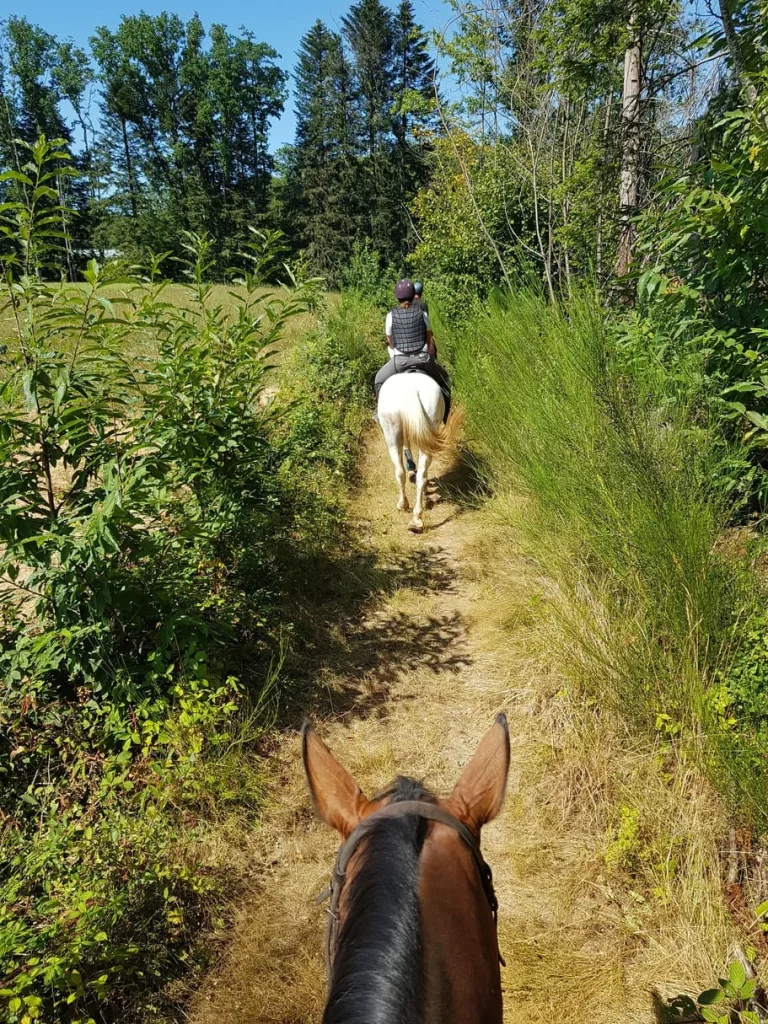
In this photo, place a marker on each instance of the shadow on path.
(465, 484)
(350, 652)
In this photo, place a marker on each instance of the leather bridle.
(400, 809)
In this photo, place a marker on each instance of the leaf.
(712, 995)
(29, 389)
(762, 909)
(736, 973)
(709, 1014)
(748, 989)
(16, 176)
(45, 191)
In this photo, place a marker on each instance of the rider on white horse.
(418, 288)
(411, 343)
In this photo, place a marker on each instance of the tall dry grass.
(610, 876)
(611, 501)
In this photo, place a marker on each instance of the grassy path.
(409, 687)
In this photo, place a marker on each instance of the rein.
(420, 809)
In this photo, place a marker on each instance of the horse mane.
(377, 971)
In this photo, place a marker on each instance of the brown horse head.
(412, 934)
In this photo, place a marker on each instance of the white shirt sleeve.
(388, 323)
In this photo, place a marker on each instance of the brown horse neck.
(462, 982)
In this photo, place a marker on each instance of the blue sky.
(281, 24)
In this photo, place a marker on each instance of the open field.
(181, 297)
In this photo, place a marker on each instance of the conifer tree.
(368, 28)
(324, 158)
(414, 115)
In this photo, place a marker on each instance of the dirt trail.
(427, 675)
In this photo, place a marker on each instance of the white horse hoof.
(403, 506)
(416, 526)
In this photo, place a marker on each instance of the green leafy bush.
(734, 1001)
(150, 516)
(367, 279)
(329, 378)
(704, 283)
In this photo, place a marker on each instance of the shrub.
(367, 279)
(329, 378)
(149, 521)
(705, 279)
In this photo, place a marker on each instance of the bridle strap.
(400, 809)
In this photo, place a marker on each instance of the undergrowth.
(616, 492)
(155, 497)
(614, 478)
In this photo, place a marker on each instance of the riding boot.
(447, 400)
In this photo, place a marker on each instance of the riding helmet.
(418, 287)
(404, 290)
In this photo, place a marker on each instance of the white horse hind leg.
(417, 523)
(396, 454)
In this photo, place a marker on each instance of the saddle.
(418, 363)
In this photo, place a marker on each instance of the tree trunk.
(567, 148)
(629, 191)
(734, 51)
(65, 231)
(601, 187)
(129, 166)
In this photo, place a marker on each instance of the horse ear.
(479, 793)
(337, 797)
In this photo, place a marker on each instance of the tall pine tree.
(369, 30)
(415, 116)
(323, 160)
(365, 117)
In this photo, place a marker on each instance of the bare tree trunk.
(129, 166)
(564, 174)
(629, 192)
(734, 51)
(550, 206)
(545, 256)
(65, 232)
(482, 115)
(599, 243)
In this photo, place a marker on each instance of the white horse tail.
(420, 433)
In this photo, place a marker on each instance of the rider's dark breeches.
(387, 371)
(440, 375)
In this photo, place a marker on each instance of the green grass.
(181, 296)
(611, 497)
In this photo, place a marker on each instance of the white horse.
(411, 409)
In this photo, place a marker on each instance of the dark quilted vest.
(409, 332)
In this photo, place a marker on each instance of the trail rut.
(428, 667)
